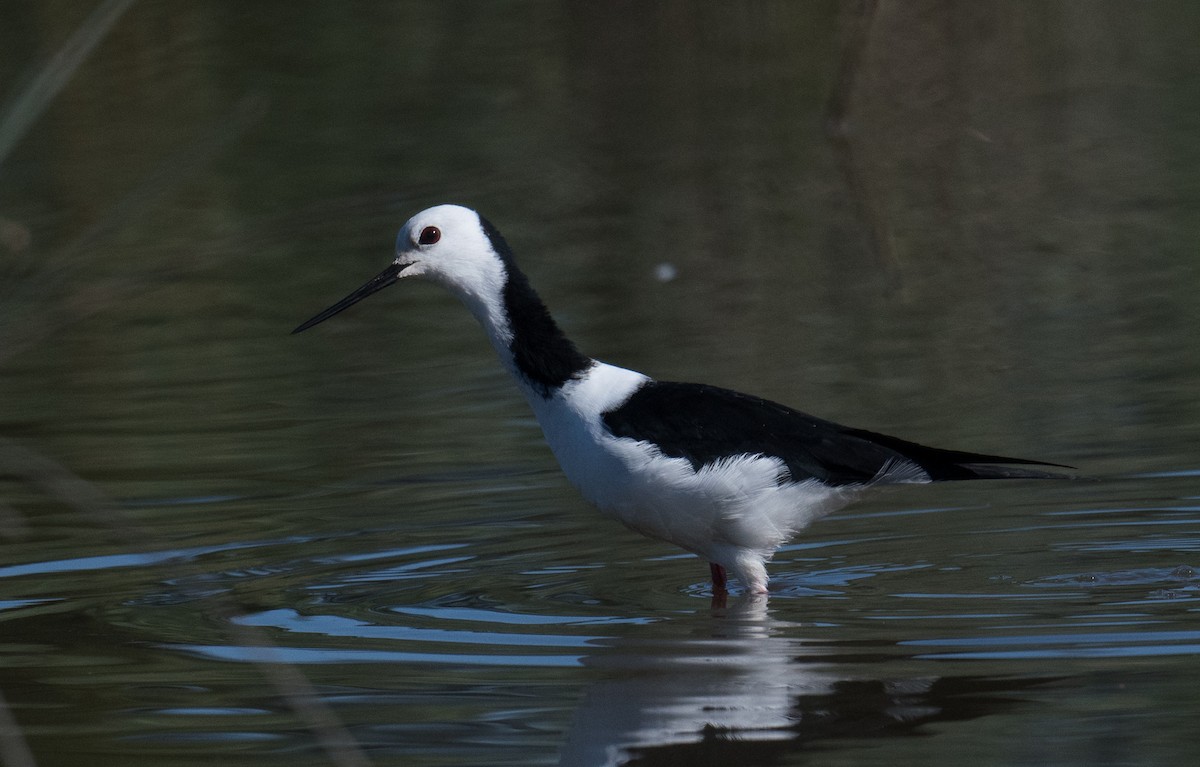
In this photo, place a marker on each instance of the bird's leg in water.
(719, 578)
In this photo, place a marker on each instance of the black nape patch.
(542, 353)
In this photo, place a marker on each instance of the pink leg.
(718, 577)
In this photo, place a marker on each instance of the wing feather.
(706, 423)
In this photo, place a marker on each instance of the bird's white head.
(447, 244)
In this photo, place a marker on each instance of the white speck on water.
(665, 272)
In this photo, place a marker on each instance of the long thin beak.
(374, 285)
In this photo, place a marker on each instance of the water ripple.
(1114, 644)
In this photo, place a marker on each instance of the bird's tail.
(947, 465)
(990, 470)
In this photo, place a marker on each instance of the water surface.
(965, 226)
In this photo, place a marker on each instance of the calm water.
(974, 227)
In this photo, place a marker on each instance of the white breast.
(571, 421)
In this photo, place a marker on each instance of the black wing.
(705, 423)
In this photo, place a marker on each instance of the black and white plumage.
(728, 476)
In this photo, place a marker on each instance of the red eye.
(429, 235)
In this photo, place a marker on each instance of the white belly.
(716, 512)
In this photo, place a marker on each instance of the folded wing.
(705, 424)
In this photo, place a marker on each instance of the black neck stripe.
(544, 356)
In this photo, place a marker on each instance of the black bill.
(374, 285)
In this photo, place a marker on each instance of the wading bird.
(725, 475)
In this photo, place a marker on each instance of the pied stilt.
(727, 476)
